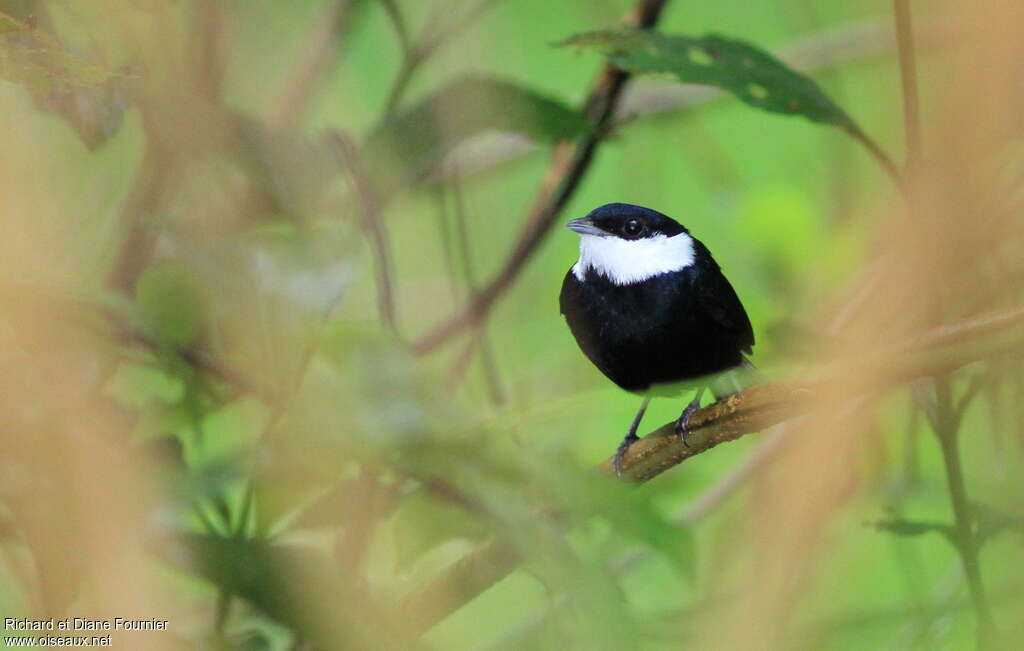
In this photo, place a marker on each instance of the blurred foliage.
(205, 419)
(416, 140)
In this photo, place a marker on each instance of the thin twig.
(967, 544)
(490, 367)
(374, 224)
(974, 387)
(879, 154)
(415, 55)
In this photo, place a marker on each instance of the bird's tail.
(741, 377)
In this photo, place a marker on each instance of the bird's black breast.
(669, 328)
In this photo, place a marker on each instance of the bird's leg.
(684, 418)
(630, 437)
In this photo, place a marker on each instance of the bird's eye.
(633, 227)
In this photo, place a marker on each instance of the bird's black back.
(669, 328)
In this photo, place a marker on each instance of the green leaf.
(630, 514)
(170, 303)
(748, 72)
(911, 528)
(422, 523)
(412, 143)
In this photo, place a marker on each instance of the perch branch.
(941, 350)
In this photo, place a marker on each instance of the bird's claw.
(620, 453)
(683, 422)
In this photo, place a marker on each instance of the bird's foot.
(620, 453)
(683, 422)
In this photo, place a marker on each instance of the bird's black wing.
(720, 302)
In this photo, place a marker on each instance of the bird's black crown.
(633, 222)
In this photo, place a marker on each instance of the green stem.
(967, 544)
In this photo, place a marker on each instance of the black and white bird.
(649, 306)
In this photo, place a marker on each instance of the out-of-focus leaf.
(901, 527)
(242, 566)
(139, 386)
(748, 72)
(295, 585)
(423, 523)
(294, 167)
(308, 268)
(992, 521)
(170, 303)
(586, 494)
(90, 96)
(410, 145)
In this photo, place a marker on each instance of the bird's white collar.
(625, 262)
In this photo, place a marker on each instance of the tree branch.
(941, 350)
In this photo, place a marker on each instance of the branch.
(941, 350)
(561, 181)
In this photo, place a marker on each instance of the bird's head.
(627, 222)
(629, 244)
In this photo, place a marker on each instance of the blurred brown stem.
(313, 65)
(143, 199)
(908, 75)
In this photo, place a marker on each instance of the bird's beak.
(584, 226)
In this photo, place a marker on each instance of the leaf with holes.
(410, 145)
(751, 74)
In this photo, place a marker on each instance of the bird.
(652, 310)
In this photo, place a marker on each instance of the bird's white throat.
(625, 262)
